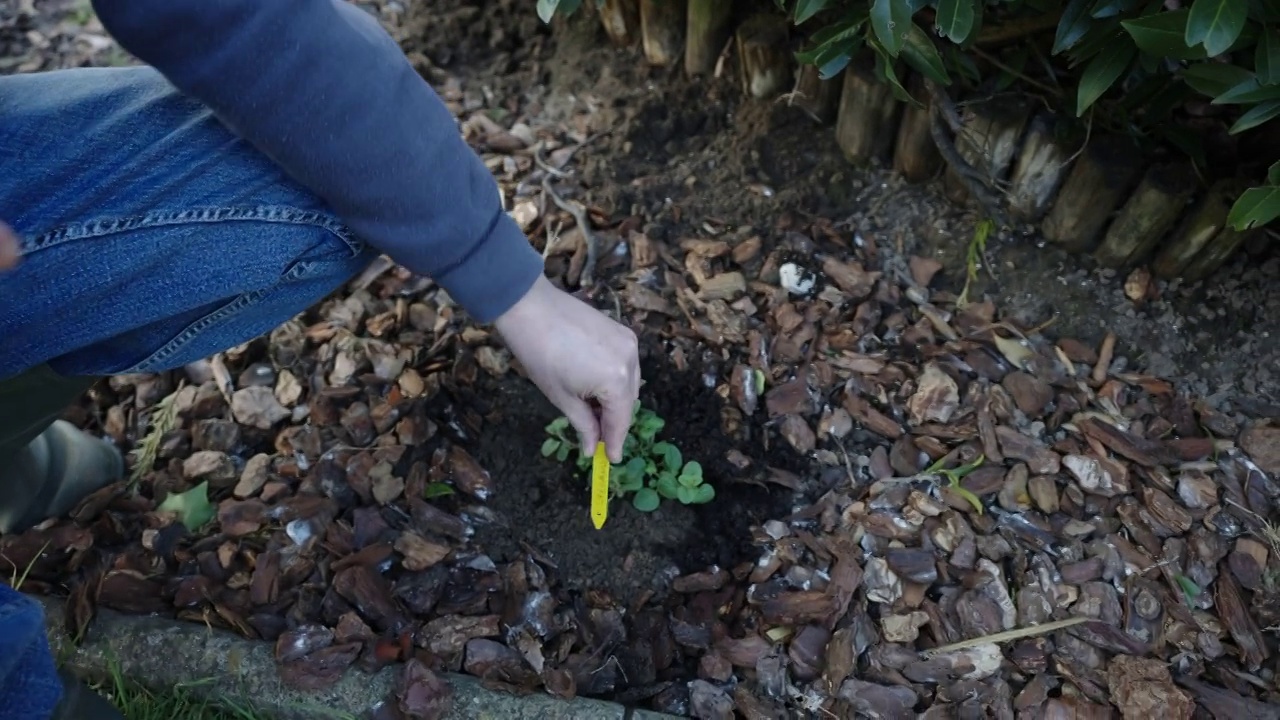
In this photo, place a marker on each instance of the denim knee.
(152, 236)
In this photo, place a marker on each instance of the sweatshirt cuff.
(497, 273)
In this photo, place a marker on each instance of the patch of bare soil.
(922, 507)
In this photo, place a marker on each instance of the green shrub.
(1129, 65)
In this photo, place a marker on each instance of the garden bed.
(380, 497)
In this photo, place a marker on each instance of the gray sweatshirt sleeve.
(321, 89)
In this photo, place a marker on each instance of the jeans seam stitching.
(162, 218)
(175, 344)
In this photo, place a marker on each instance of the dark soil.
(545, 505)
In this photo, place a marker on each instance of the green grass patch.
(180, 703)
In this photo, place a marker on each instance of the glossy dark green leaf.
(1215, 23)
(1255, 207)
(922, 55)
(888, 74)
(1213, 79)
(1163, 35)
(1103, 71)
(547, 9)
(838, 62)
(1248, 92)
(1266, 59)
(1102, 34)
(891, 20)
(1273, 174)
(806, 9)
(955, 19)
(1111, 8)
(1257, 115)
(1072, 27)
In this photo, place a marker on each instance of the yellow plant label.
(599, 486)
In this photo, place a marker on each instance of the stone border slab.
(161, 653)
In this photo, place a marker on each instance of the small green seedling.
(954, 475)
(651, 469)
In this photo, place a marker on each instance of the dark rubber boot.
(79, 702)
(47, 465)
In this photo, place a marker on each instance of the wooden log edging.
(1096, 196)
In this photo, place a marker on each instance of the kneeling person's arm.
(322, 90)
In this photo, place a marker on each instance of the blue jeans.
(151, 237)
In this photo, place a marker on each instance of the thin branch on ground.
(1016, 634)
(580, 216)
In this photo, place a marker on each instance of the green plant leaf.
(692, 469)
(806, 9)
(1248, 92)
(635, 468)
(549, 446)
(703, 494)
(562, 453)
(646, 500)
(1266, 60)
(837, 58)
(1163, 35)
(668, 486)
(1255, 207)
(686, 495)
(1101, 36)
(1215, 23)
(558, 426)
(671, 456)
(1072, 27)
(547, 9)
(1102, 72)
(921, 54)
(891, 20)
(192, 507)
(1111, 8)
(438, 490)
(955, 19)
(1262, 113)
(888, 74)
(1273, 174)
(1213, 78)
(629, 483)
(968, 495)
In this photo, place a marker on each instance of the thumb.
(583, 419)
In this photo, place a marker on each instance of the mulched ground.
(922, 508)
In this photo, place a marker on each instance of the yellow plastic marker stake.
(599, 486)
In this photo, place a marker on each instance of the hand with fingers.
(576, 355)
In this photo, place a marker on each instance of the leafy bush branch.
(1154, 57)
(651, 469)
(1131, 65)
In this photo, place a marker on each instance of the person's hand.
(9, 253)
(575, 354)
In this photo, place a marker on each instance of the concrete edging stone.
(160, 653)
